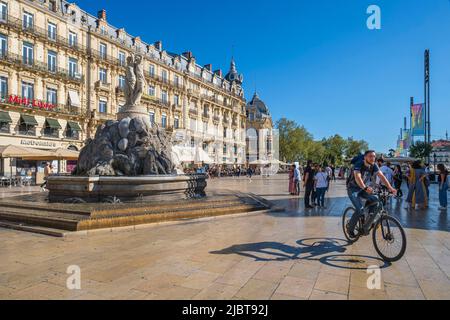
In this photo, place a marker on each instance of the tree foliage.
(420, 150)
(297, 144)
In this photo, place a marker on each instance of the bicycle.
(387, 232)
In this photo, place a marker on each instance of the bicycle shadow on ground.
(327, 251)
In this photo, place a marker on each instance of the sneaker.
(350, 233)
(442, 208)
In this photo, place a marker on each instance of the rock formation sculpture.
(131, 146)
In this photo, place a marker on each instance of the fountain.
(125, 177)
(128, 159)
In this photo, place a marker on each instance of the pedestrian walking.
(427, 179)
(297, 179)
(321, 183)
(47, 170)
(308, 184)
(314, 193)
(443, 186)
(329, 173)
(417, 194)
(398, 180)
(292, 189)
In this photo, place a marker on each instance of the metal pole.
(427, 99)
(410, 120)
(425, 95)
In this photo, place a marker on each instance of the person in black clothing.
(315, 169)
(398, 180)
(308, 184)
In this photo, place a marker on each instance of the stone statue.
(134, 81)
(130, 81)
(130, 146)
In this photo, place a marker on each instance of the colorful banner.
(418, 120)
(406, 139)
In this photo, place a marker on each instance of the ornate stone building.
(260, 135)
(62, 74)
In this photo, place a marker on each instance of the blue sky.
(312, 61)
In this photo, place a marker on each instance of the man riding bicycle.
(364, 169)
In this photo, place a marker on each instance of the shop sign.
(34, 143)
(30, 103)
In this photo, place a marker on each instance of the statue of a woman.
(140, 79)
(130, 81)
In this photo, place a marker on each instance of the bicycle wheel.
(348, 213)
(389, 239)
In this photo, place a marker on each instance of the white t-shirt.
(388, 173)
(322, 181)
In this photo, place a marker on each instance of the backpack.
(359, 157)
(355, 160)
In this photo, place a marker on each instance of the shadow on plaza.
(328, 251)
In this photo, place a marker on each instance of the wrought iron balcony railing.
(34, 65)
(19, 25)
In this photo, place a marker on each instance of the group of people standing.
(418, 180)
(315, 179)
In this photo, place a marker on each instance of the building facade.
(62, 74)
(441, 153)
(260, 134)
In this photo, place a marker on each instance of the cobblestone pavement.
(284, 255)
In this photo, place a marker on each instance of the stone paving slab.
(295, 255)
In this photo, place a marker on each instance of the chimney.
(219, 73)
(102, 14)
(158, 45)
(208, 66)
(187, 55)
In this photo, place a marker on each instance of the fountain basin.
(101, 189)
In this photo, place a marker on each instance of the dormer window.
(52, 5)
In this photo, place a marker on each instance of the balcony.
(193, 112)
(33, 65)
(210, 98)
(104, 116)
(101, 85)
(145, 97)
(18, 25)
(193, 93)
(216, 119)
(120, 91)
(105, 58)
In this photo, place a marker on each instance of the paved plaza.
(295, 254)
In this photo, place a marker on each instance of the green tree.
(420, 150)
(297, 144)
(334, 149)
(355, 147)
(294, 141)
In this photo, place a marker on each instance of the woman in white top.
(321, 186)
